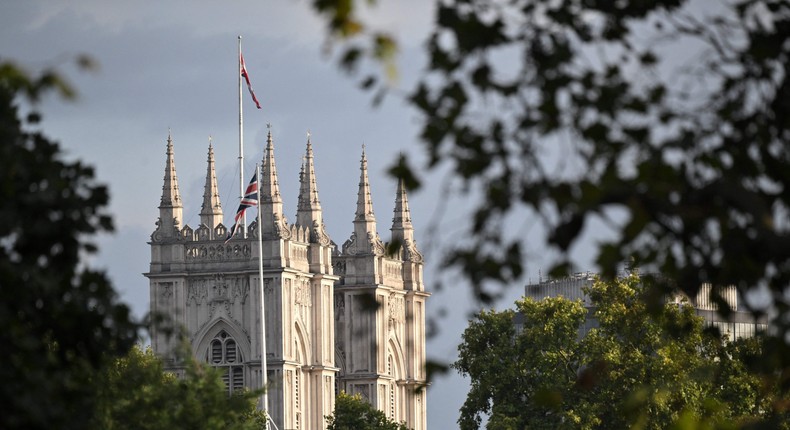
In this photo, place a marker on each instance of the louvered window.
(223, 353)
(238, 378)
(297, 402)
(392, 400)
(230, 351)
(216, 351)
(296, 389)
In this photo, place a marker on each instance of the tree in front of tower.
(135, 392)
(637, 369)
(354, 413)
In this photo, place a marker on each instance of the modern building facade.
(346, 318)
(738, 324)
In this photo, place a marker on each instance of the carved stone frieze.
(392, 269)
(349, 247)
(220, 308)
(201, 251)
(319, 234)
(376, 245)
(340, 306)
(298, 253)
(219, 288)
(203, 233)
(372, 245)
(302, 299)
(302, 293)
(166, 289)
(187, 233)
(410, 252)
(396, 310)
(268, 288)
(340, 267)
(197, 291)
(240, 290)
(281, 229)
(162, 233)
(364, 391)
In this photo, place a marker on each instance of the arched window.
(297, 386)
(340, 362)
(297, 400)
(392, 401)
(224, 354)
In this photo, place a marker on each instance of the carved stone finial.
(367, 239)
(273, 223)
(309, 214)
(211, 210)
(402, 229)
(170, 206)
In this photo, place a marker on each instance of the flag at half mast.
(249, 200)
(246, 76)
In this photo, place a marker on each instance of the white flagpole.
(264, 367)
(243, 222)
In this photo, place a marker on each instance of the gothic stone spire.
(170, 207)
(302, 190)
(308, 212)
(274, 224)
(365, 238)
(402, 229)
(211, 211)
(364, 214)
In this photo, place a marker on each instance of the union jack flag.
(246, 76)
(249, 200)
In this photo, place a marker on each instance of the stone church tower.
(350, 320)
(380, 312)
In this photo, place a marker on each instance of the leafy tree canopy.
(354, 413)
(58, 318)
(136, 393)
(637, 369)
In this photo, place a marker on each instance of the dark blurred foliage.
(59, 319)
(664, 123)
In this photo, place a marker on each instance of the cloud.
(183, 18)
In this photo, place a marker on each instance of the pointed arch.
(203, 338)
(399, 367)
(396, 372)
(340, 363)
(301, 383)
(220, 231)
(223, 346)
(303, 344)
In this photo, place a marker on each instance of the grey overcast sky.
(173, 65)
